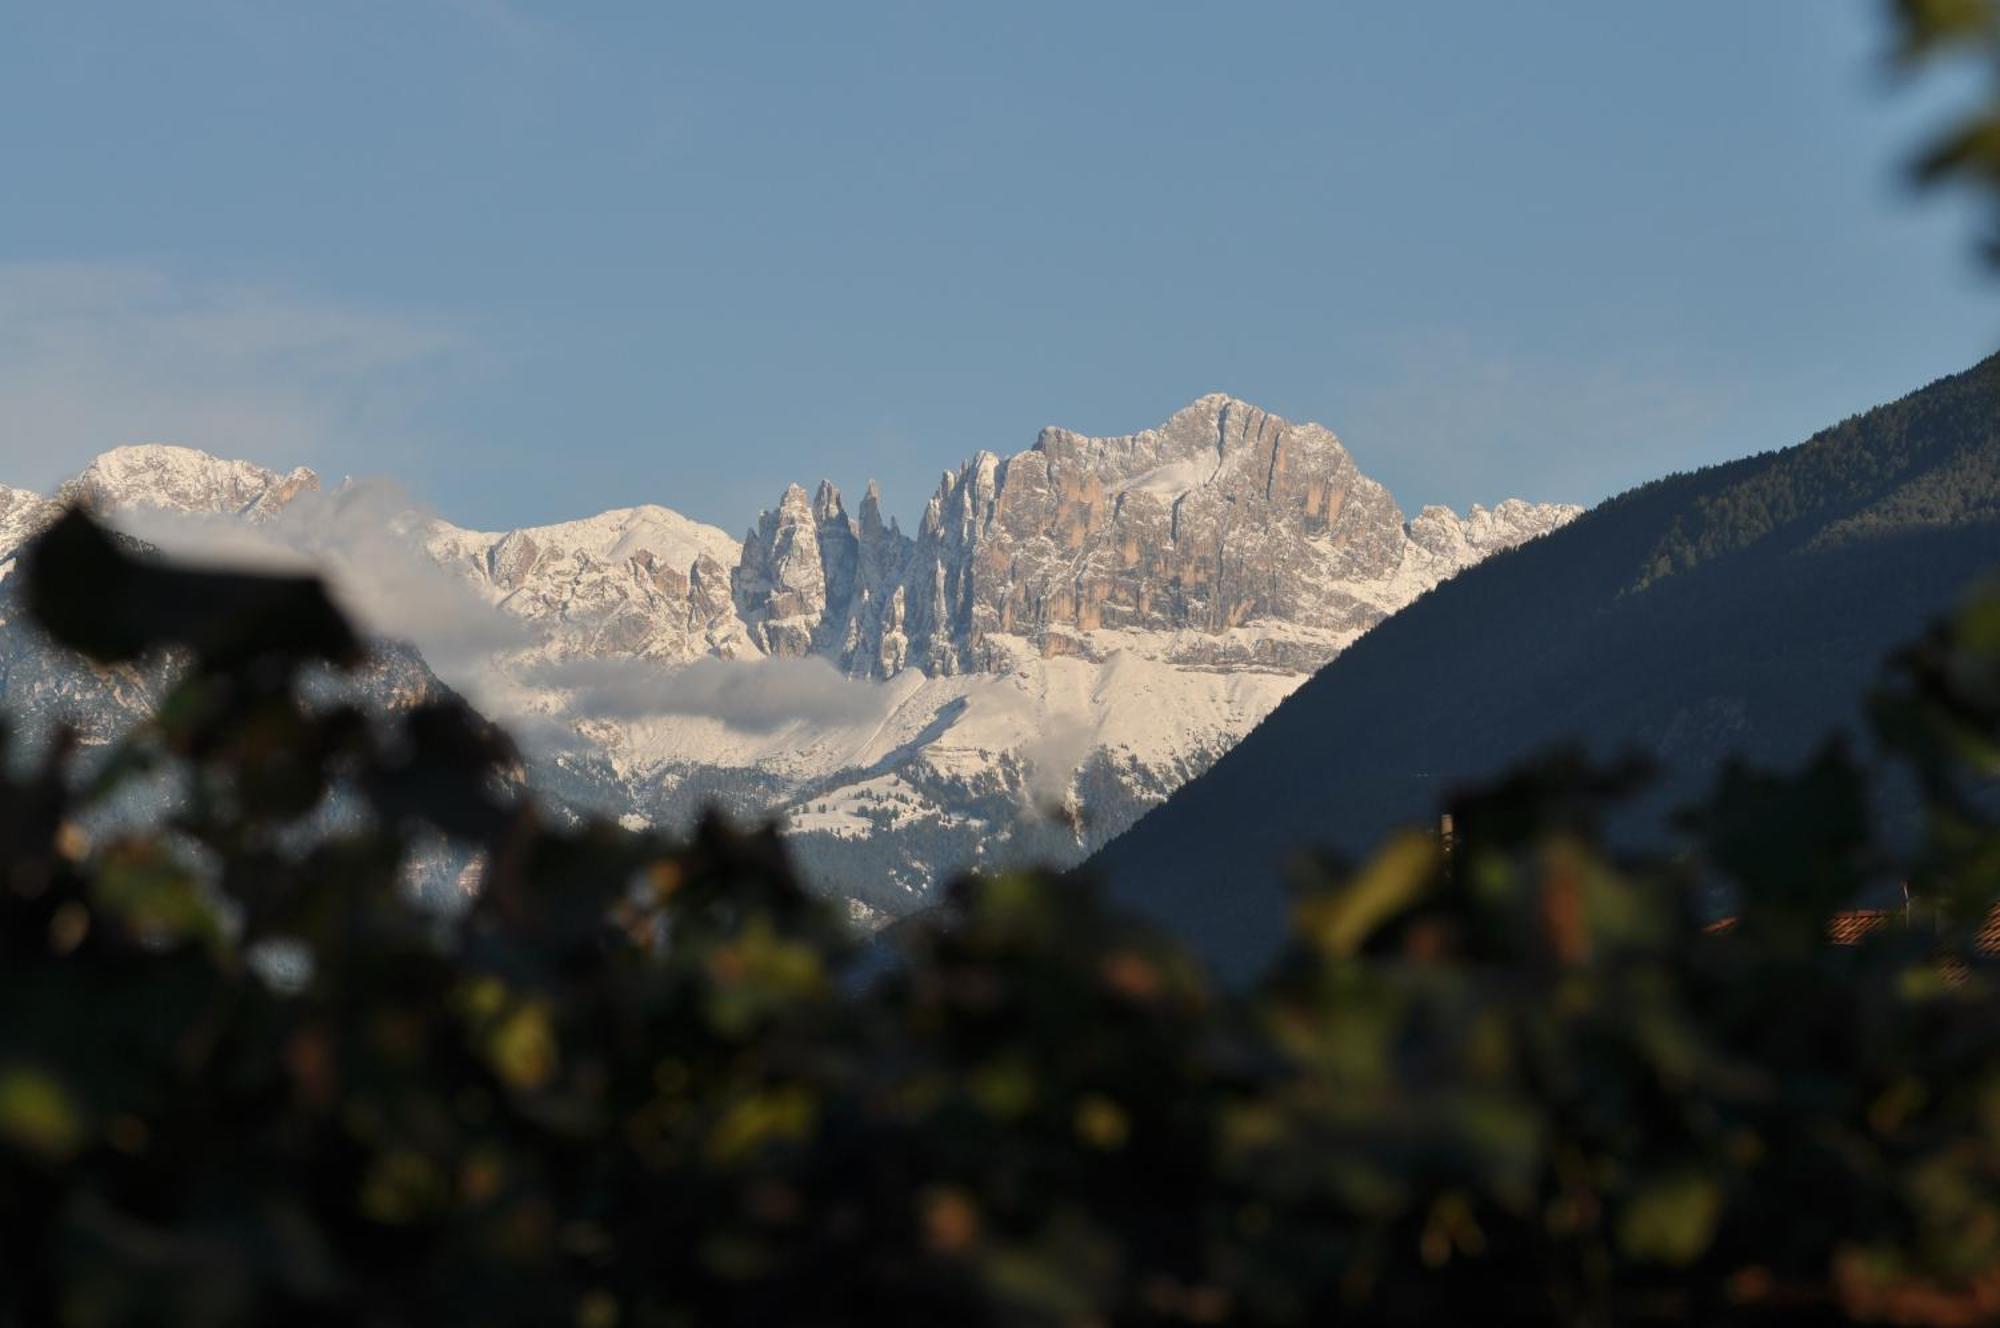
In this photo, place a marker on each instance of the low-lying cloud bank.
(360, 538)
(755, 695)
(357, 537)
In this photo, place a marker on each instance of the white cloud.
(358, 538)
(355, 537)
(97, 355)
(753, 695)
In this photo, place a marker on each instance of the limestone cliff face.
(1225, 537)
(783, 574)
(874, 633)
(1223, 517)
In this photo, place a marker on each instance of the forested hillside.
(1931, 459)
(1738, 609)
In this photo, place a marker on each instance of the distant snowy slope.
(638, 581)
(1070, 633)
(183, 479)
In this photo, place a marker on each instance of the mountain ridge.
(1144, 597)
(1743, 608)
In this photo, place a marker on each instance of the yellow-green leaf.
(522, 1046)
(1671, 1219)
(1341, 920)
(37, 1113)
(779, 1115)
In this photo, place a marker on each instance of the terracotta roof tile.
(1852, 926)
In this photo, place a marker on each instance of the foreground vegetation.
(245, 1078)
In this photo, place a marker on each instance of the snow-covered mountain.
(182, 479)
(635, 583)
(1071, 632)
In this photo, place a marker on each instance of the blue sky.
(538, 260)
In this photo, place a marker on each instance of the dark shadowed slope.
(1742, 608)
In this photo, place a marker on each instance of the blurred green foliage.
(246, 1078)
(1931, 32)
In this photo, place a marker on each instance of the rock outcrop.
(782, 576)
(636, 583)
(1226, 537)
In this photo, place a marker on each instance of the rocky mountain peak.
(1226, 535)
(1216, 422)
(642, 582)
(185, 479)
(870, 524)
(826, 504)
(1460, 541)
(781, 576)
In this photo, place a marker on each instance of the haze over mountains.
(1745, 608)
(1070, 633)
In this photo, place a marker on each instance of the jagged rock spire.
(1224, 516)
(781, 580)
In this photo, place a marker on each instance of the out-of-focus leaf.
(1102, 1123)
(443, 772)
(1798, 846)
(1339, 920)
(522, 1046)
(1931, 24)
(1671, 1218)
(950, 1220)
(37, 1114)
(400, 1187)
(783, 1114)
(143, 885)
(96, 596)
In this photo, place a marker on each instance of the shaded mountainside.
(1743, 608)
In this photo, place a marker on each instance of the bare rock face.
(639, 582)
(873, 639)
(781, 579)
(1224, 516)
(840, 566)
(1225, 538)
